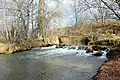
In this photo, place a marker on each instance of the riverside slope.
(110, 70)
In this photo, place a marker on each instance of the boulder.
(71, 47)
(98, 53)
(103, 48)
(96, 48)
(89, 49)
(60, 45)
(113, 53)
(81, 48)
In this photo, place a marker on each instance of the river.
(48, 64)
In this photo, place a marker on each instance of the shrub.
(85, 41)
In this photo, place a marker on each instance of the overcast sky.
(67, 15)
(64, 9)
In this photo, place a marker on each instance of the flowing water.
(49, 63)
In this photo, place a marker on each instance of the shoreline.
(12, 48)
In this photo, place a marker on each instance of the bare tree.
(111, 8)
(16, 21)
(45, 16)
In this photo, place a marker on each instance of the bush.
(106, 42)
(85, 41)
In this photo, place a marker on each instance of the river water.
(48, 64)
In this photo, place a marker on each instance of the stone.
(88, 50)
(60, 45)
(96, 48)
(98, 53)
(113, 53)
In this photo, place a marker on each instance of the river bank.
(110, 70)
(11, 48)
(7, 48)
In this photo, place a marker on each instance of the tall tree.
(40, 17)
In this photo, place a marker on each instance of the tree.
(16, 20)
(116, 13)
(45, 16)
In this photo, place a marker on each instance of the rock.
(107, 50)
(81, 48)
(103, 48)
(85, 48)
(88, 50)
(113, 53)
(71, 47)
(98, 53)
(96, 48)
(60, 45)
(47, 45)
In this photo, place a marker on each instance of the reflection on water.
(25, 66)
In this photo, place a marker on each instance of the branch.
(106, 4)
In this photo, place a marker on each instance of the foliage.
(107, 42)
(85, 40)
(75, 39)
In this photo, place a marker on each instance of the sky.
(64, 9)
(66, 18)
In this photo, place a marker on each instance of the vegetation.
(25, 24)
(85, 41)
(92, 30)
